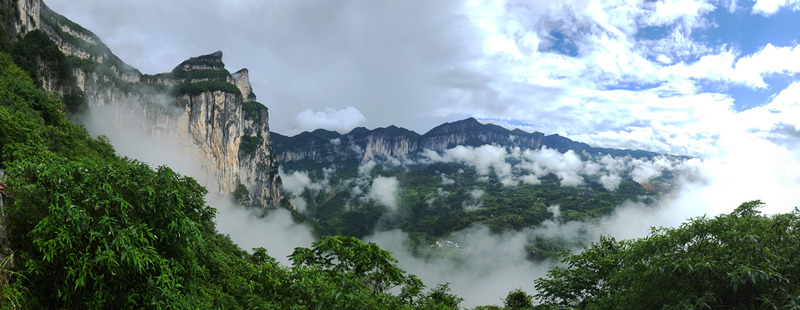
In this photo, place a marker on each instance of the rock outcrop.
(199, 104)
(20, 17)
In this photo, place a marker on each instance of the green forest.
(89, 229)
(430, 209)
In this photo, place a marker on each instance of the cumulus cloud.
(570, 169)
(596, 73)
(667, 12)
(610, 181)
(384, 191)
(295, 182)
(488, 265)
(769, 7)
(342, 120)
(486, 159)
(566, 166)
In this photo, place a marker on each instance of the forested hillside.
(89, 229)
(84, 228)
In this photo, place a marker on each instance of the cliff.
(362, 144)
(199, 104)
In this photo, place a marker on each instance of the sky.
(717, 80)
(668, 76)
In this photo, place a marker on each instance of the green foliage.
(32, 120)
(194, 89)
(241, 195)
(210, 61)
(429, 209)
(250, 144)
(36, 53)
(368, 262)
(252, 109)
(210, 74)
(741, 260)
(95, 48)
(518, 300)
(364, 276)
(11, 293)
(37, 47)
(95, 231)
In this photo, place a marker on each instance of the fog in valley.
(484, 266)
(681, 78)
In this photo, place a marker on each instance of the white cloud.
(566, 166)
(384, 191)
(769, 7)
(342, 120)
(664, 59)
(296, 182)
(498, 60)
(486, 159)
(610, 181)
(447, 181)
(668, 11)
(751, 69)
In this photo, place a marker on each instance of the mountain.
(199, 105)
(362, 144)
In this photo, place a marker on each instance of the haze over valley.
(476, 141)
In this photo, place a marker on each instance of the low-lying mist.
(157, 141)
(482, 266)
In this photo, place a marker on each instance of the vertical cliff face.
(362, 145)
(21, 16)
(199, 104)
(212, 122)
(258, 166)
(386, 142)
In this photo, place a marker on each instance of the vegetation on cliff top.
(194, 89)
(251, 109)
(92, 230)
(209, 61)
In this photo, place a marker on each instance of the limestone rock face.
(199, 105)
(29, 18)
(242, 81)
(258, 164)
(213, 121)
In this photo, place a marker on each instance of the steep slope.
(362, 144)
(199, 104)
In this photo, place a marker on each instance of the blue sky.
(669, 76)
(717, 80)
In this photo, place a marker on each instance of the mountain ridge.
(362, 144)
(199, 104)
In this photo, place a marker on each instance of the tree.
(98, 235)
(346, 273)
(91, 230)
(518, 300)
(350, 257)
(739, 260)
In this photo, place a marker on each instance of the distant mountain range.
(362, 144)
